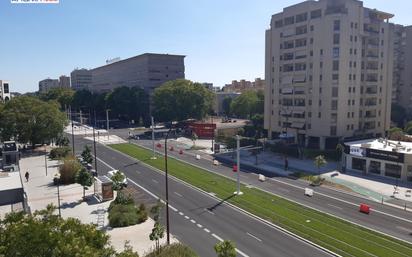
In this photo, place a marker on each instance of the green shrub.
(121, 198)
(60, 153)
(123, 215)
(68, 170)
(173, 250)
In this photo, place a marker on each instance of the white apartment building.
(4, 91)
(328, 68)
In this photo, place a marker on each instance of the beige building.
(402, 75)
(81, 79)
(64, 81)
(329, 66)
(46, 84)
(244, 85)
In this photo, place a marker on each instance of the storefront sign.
(385, 155)
(357, 151)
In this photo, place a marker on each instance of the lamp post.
(107, 123)
(58, 195)
(71, 118)
(45, 157)
(153, 140)
(238, 192)
(167, 189)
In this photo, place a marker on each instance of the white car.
(111, 173)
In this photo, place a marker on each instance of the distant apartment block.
(46, 84)
(64, 81)
(402, 73)
(81, 79)
(329, 67)
(5, 94)
(146, 71)
(244, 85)
(218, 103)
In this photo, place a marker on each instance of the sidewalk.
(41, 192)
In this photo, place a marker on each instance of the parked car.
(111, 173)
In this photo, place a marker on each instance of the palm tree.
(320, 162)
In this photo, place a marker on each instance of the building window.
(301, 17)
(300, 42)
(375, 167)
(278, 23)
(320, 102)
(321, 64)
(321, 51)
(319, 114)
(312, 28)
(335, 65)
(336, 52)
(301, 30)
(320, 77)
(336, 25)
(335, 76)
(358, 164)
(316, 14)
(300, 66)
(334, 105)
(333, 130)
(336, 39)
(393, 170)
(311, 40)
(289, 20)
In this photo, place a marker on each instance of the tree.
(339, 151)
(45, 234)
(28, 119)
(82, 99)
(408, 128)
(64, 96)
(158, 232)
(128, 251)
(398, 114)
(194, 138)
(181, 100)
(320, 162)
(225, 249)
(226, 105)
(87, 154)
(248, 104)
(84, 178)
(117, 179)
(395, 133)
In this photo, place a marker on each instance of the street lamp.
(107, 123)
(71, 119)
(94, 142)
(58, 193)
(167, 189)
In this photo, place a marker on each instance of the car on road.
(111, 173)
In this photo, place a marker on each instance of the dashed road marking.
(181, 213)
(176, 193)
(199, 225)
(255, 237)
(193, 221)
(206, 230)
(217, 237)
(155, 181)
(334, 206)
(186, 217)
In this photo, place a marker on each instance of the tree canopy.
(248, 104)
(64, 96)
(28, 119)
(181, 100)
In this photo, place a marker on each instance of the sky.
(223, 40)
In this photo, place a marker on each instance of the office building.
(4, 91)
(146, 71)
(402, 75)
(80, 79)
(64, 81)
(328, 68)
(46, 84)
(244, 85)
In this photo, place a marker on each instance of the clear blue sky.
(222, 39)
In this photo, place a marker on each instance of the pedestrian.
(286, 163)
(26, 175)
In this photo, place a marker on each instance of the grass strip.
(337, 235)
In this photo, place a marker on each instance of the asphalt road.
(200, 220)
(383, 218)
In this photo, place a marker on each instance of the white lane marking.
(181, 213)
(404, 229)
(206, 230)
(193, 221)
(217, 237)
(241, 253)
(209, 211)
(186, 217)
(173, 208)
(334, 206)
(199, 225)
(255, 237)
(283, 189)
(176, 193)
(155, 181)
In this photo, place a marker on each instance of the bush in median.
(123, 212)
(60, 152)
(173, 250)
(68, 170)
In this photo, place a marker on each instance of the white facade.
(4, 91)
(81, 79)
(328, 72)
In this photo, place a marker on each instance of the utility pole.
(238, 192)
(167, 190)
(94, 142)
(58, 195)
(213, 137)
(107, 123)
(45, 157)
(153, 140)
